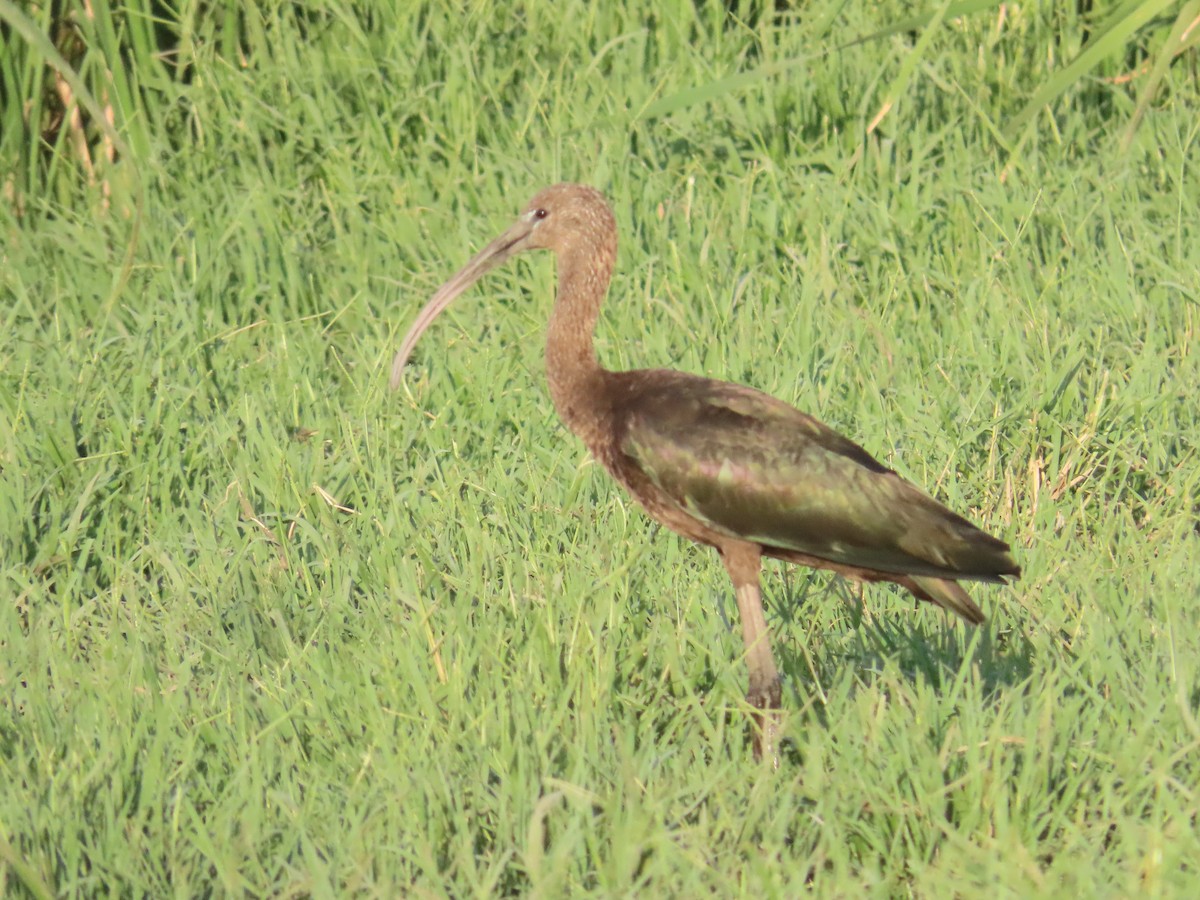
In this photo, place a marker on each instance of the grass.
(275, 631)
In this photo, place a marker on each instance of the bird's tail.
(947, 594)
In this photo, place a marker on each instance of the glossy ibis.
(726, 465)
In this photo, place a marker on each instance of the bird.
(723, 464)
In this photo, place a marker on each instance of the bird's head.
(554, 219)
(562, 214)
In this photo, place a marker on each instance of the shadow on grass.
(866, 629)
(887, 624)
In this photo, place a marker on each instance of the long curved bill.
(486, 259)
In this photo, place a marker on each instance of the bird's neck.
(577, 382)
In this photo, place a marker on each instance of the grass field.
(271, 630)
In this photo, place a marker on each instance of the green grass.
(271, 630)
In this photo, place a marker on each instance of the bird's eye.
(540, 213)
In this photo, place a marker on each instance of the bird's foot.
(768, 726)
(768, 720)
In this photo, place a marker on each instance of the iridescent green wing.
(750, 466)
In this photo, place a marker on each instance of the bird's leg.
(742, 562)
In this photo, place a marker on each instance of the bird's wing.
(752, 467)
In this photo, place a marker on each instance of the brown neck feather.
(577, 382)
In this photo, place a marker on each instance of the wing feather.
(750, 466)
